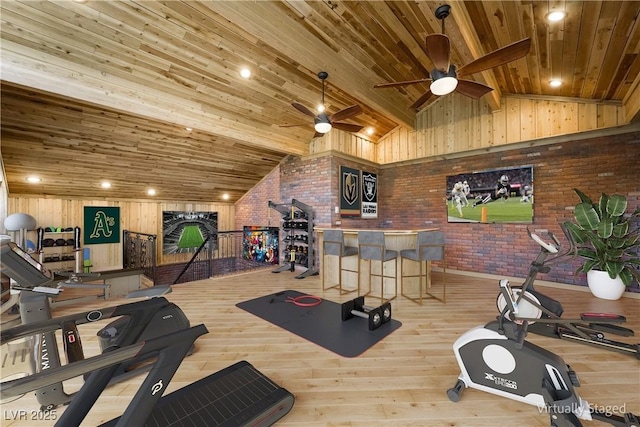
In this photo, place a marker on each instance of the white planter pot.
(603, 286)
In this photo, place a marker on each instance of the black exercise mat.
(321, 324)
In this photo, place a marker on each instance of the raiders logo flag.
(369, 195)
(349, 192)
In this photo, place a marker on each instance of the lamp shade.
(444, 85)
(322, 127)
(322, 124)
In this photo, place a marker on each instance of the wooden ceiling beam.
(27, 67)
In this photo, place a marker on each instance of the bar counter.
(395, 239)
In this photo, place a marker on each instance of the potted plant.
(607, 241)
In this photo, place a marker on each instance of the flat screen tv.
(491, 196)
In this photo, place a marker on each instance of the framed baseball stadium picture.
(492, 196)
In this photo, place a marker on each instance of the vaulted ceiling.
(105, 90)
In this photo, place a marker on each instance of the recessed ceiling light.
(245, 73)
(151, 192)
(105, 184)
(320, 108)
(556, 15)
(225, 196)
(34, 179)
(370, 131)
(188, 129)
(555, 83)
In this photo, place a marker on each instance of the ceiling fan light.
(322, 123)
(556, 15)
(322, 127)
(443, 85)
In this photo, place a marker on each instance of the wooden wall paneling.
(135, 216)
(369, 150)
(319, 145)
(486, 126)
(473, 126)
(499, 126)
(460, 117)
(587, 111)
(440, 137)
(449, 129)
(420, 137)
(608, 115)
(568, 117)
(412, 149)
(457, 124)
(382, 142)
(352, 142)
(544, 117)
(388, 152)
(527, 119)
(513, 127)
(396, 149)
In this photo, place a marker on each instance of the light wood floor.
(401, 381)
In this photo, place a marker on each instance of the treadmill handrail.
(20, 386)
(172, 349)
(55, 323)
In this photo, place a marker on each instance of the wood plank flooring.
(401, 381)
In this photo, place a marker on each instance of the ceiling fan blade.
(318, 134)
(303, 109)
(496, 58)
(396, 84)
(290, 126)
(438, 50)
(421, 100)
(347, 127)
(472, 89)
(346, 113)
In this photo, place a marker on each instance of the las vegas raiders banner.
(369, 195)
(349, 192)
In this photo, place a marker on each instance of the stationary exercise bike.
(543, 313)
(31, 279)
(497, 359)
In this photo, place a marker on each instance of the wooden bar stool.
(429, 247)
(371, 245)
(333, 244)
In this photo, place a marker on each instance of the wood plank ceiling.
(104, 90)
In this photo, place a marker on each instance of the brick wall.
(413, 196)
(253, 208)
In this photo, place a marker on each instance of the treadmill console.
(21, 267)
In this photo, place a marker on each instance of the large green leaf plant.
(606, 239)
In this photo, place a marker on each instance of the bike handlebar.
(547, 246)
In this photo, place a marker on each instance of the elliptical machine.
(543, 313)
(497, 359)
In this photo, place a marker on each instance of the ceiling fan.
(324, 122)
(444, 77)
